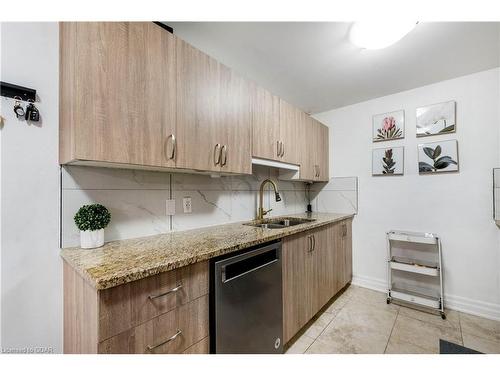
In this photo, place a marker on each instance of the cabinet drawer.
(201, 347)
(130, 304)
(172, 332)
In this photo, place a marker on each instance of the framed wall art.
(438, 157)
(388, 161)
(436, 119)
(388, 126)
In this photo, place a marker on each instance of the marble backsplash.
(137, 199)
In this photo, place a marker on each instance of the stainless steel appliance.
(246, 306)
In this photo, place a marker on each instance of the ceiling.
(315, 67)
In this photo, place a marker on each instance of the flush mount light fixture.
(376, 34)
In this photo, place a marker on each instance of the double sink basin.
(279, 223)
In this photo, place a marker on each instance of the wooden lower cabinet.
(316, 265)
(139, 316)
(169, 312)
(298, 273)
(170, 333)
(347, 248)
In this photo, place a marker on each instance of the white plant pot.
(90, 239)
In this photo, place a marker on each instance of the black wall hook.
(11, 91)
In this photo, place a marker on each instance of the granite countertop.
(119, 262)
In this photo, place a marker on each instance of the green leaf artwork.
(438, 162)
(388, 163)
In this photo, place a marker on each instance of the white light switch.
(186, 204)
(170, 207)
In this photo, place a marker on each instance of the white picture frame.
(436, 119)
(388, 126)
(438, 157)
(388, 161)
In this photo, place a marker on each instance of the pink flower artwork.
(389, 123)
(387, 128)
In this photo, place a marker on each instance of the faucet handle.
(266, 212)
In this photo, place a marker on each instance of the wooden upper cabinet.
(265, 124)
(308, 170)
(117, 92)
(213, 114)
(133, 94)
(235, 116)
(315, 160)
(198, 104)
(290, 133)
(322, 151)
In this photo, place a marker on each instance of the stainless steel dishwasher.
(246, 302)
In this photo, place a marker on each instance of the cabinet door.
(347, 246)
(117, 97)
(309, 139)
(338, 256)
(265, 124)
(290, 134)
(298, 287)
(198, 109)
(322, 152)
(235, 120)
(324, 255)
(316, 167)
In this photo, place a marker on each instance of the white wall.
(31, 280)
(457, 206)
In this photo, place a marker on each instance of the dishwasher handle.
(247, 263)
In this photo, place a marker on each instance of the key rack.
(10, 90)
(418, 255)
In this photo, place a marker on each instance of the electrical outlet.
(170, 207)
(186, 204)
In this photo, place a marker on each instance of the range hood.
(286, 171)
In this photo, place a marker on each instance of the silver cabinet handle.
(314, 242)
(278, 148)
(310, 244)
(152, 347)
(224, 159)
(217, 154)
(174, 145)
(173, 290)
(282, 149)
(344, 230)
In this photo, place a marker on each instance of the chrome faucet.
(261, 212)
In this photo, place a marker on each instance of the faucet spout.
(261, 212)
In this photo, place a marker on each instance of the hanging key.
(32, 113)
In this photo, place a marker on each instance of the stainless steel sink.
(279, 223)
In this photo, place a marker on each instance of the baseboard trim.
(466, 305)
(369, 282)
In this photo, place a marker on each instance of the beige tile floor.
(360, 321)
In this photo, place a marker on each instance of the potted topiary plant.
(91, 219)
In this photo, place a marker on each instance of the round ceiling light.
(376, 34)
